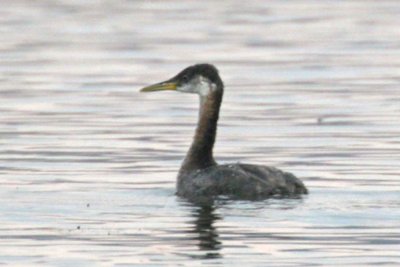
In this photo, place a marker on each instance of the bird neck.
(200, 154)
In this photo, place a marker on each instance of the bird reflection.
(207, 234)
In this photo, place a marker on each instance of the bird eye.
(185, 79)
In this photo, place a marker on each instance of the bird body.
(241, 181)
(200, 175)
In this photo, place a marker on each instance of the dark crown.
(206, 70)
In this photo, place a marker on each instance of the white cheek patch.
(199, 85)
(203, 87)
(206, 86)
(187, 88)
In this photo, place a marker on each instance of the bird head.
(201, 79)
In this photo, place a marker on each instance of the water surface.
(88, 165)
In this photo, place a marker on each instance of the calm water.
(88, 165)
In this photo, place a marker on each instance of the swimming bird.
(200, 176)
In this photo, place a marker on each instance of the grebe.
(200, 176)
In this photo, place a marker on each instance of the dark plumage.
(200, 176)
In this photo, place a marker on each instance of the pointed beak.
(160, 87)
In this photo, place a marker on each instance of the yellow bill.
(159, 87)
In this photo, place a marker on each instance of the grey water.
(88, 164)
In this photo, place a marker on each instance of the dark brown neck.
(200, 154)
